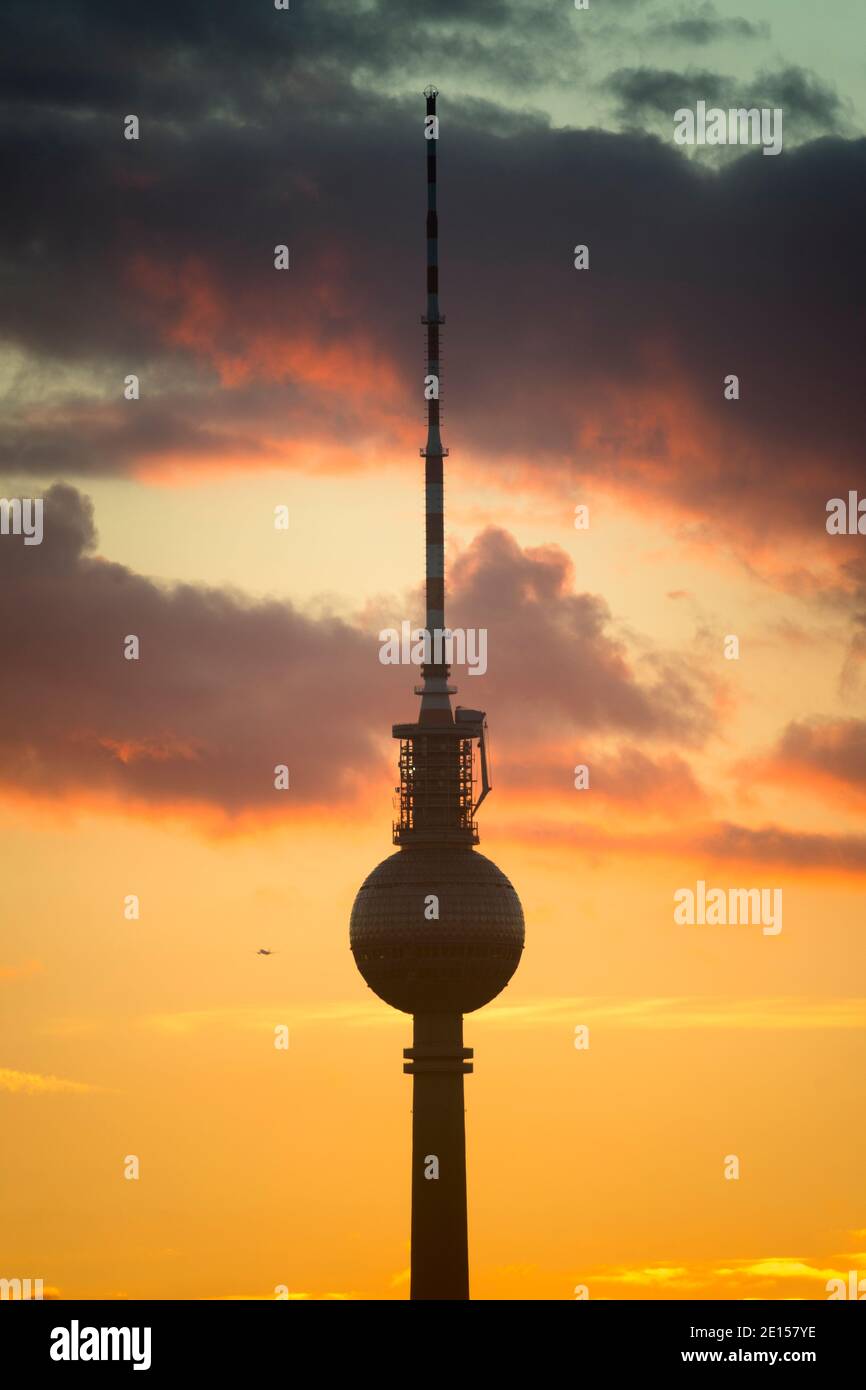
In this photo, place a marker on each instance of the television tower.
(436, 929)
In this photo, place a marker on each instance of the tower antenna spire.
(435, 691)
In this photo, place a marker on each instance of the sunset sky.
(260, 388)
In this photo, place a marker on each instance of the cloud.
(783, 1277)
(553, 657)
(258, 1019)
(30, 1083)
(826, 755)
(853, 596)
(217, 58)
(628, 777)
(677, 1012)
(226, 690)
(645, 90)
(652, 1275)
(811, 106)
(806, 100)
(617, 378)
(786, 1267)
(702, 24)
(223, 692)
(784, 848)
(721, 842)
(292, 1296)
(687, 1012)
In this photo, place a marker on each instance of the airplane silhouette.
(265, 951)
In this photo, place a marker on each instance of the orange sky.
(602, 1167)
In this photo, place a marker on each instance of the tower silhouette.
(436, 929)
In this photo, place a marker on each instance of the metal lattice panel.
(436, 790)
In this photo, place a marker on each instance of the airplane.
(265, 951)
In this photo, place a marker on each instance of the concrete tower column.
(438, 1061)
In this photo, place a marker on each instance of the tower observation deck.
(437, 929)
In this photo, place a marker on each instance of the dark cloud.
(811, 107)
(702, 24)
(156, 257)
(812, 104)
(829, 751)
(784, 848)
(226, 689)
(120, 439)
(854, 572)
(223, 691)
(554, 664)
(209, 56)
(768, 848)
(633, 778)
(616, 372)
(628, 777)
(644, 91)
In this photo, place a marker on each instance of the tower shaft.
(440, 1241)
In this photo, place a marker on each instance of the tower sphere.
(422, 963)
